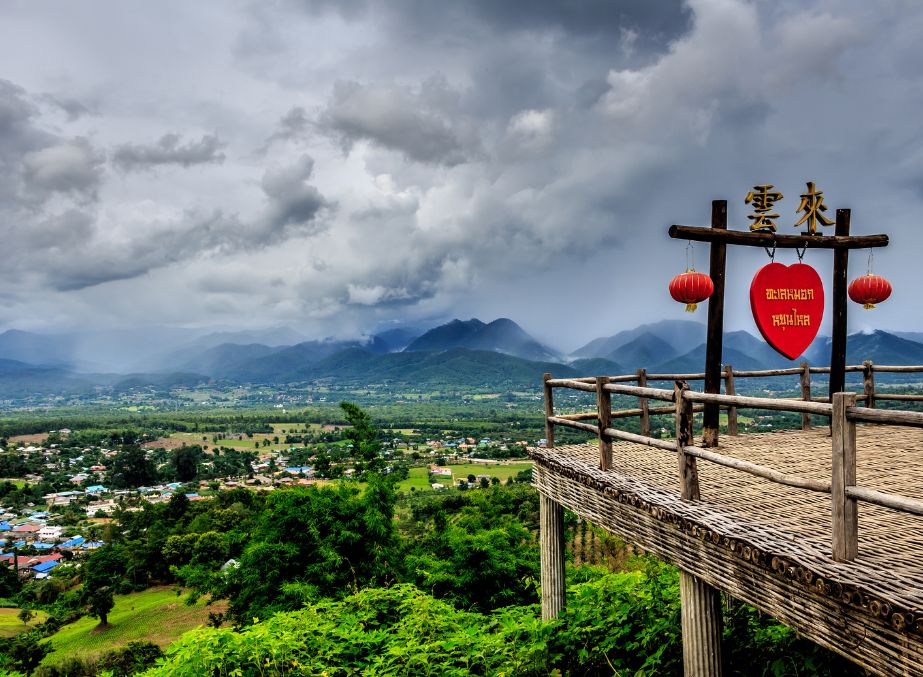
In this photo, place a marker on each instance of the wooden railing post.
(549, 411)
(868, 382)
(700, 602)
(688, 473)
(604, 420)
(643, 404)
(729, 390)
(551, 518)
(805, 394)
(845, 515)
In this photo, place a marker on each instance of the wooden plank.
(551, 536)
(604, 420)
(909, 418)
(757, 470)
(652, 393)
(845, 515)
(549, 411)
(715, 328)
(805, 394)
(749, 373)
(761, 239)
(838, 304)
(588, 427)
(688, 473)
(645, 421)
(745, 402)
(665, 445)
(899, 398)
(729, 390)
(893, 501)
(899, 369)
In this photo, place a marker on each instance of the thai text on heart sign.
(788, 305)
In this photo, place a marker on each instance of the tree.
(131, 468)
(185, 461)
(25, 615)
(100, 602)
(362, 435)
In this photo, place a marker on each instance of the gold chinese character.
(812, 204)
(763, 201)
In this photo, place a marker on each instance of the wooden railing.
(869, 397)
(684, 402)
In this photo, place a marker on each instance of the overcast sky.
(342, 166)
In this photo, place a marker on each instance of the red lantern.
(869, 290)
(691, 288)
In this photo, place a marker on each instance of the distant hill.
(679, 335)
(223, 358)
(397, 339)
(644, 351)
(19, 379)
(502, 336)
(458, 367)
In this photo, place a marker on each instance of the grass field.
(157, 615)
(10, 625)
(419, 477)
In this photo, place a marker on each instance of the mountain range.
(462, 353)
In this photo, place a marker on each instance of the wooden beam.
(551, 519)
(715, 334)
(604, 418)
(549, 411)
(748, 238)
(845, 515)
(838, 303)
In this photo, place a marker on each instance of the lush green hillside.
(158, 615)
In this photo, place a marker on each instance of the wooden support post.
(805, 394)
(729, 390)
(688, 473)
(838, 302)
(551, 517)
(604, 420)
(701, 618)
(643, 405)
(845, 515)
(715, 335)
(549, 411)
(868, 382)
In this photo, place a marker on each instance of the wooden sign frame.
(719, 238)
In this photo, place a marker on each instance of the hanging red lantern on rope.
(691, 288)
(869, 290)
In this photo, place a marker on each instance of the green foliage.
(131, 468)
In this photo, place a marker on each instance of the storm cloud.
(335, 166)
(169, 150)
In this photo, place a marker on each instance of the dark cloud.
(292, 203)
(168, 150)
(415, 122)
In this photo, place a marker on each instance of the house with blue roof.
(5, 526)
(95, 489)
(75, 542)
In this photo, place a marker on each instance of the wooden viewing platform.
(822, 530)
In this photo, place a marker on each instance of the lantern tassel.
(690, 307)
(868, 306)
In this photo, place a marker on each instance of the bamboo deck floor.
(782, 522)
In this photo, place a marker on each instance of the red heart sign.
(788, 306)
